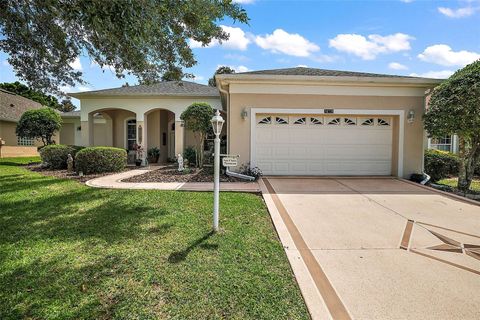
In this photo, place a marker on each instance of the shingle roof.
(303, 71)
(12, 106)
(167, 88)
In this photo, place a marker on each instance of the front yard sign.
(230, 161)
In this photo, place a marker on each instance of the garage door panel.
(308, 149)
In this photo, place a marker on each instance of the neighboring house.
(12, 106)
(295, 121)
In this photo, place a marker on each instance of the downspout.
(228, 172)
(239, 175)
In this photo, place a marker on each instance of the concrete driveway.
(378, 248)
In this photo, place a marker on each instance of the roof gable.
(12, 105)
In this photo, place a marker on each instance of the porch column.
(87, 131)
(179, 137)
(142, 135)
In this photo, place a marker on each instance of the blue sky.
(409, 37)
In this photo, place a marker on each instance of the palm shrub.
(55, 156)
(100, 159)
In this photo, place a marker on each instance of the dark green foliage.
(455, 109)
(100, 159)
(153, 154)
(220, 70)
(197, 119)
(191, 155)
(55, 155)
(144, 38)
(32, 94)
(39, 124)
(66, 106)
(440, 164)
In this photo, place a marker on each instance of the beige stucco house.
(304, 121)
(296, 121)
(148, 115)
(12, 106)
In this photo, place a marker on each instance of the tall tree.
(32, 94)
(220, 70)
(66, 105)
(455, 109)
(144, 38)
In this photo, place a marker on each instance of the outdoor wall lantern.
(244, 114)
(217, 124)
(411, 116)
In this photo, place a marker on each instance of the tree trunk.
(468, 153)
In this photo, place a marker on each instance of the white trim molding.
(366, 112)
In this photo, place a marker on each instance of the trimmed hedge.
(100, 159)
(441, 164)
(55, 155)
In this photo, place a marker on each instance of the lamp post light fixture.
(217, 124)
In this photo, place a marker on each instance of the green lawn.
(452, 182)
(68, 251)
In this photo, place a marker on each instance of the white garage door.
(323, 145)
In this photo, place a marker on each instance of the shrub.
(100, 159)
(440, 164)
(153, 154)
(190, 154)
(55, 155)
(249, 171)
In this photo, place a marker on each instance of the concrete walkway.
(114, 181)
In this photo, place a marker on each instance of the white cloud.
(457, 13)
(291, 44)
(76, 64)
(397, 66)
(236, 68)
(244, 1)
(302, 66)
(69, 89)
(443, 54)
(237, 40)
(369, 47)
(434, 74)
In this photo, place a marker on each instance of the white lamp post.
(217, 124)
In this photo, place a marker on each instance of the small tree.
(197, 119)
(455, 109)
(220, 70)
(39, 124)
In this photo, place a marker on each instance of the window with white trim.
(333, 121)
(279, 120)
(302, 120)
(131, 133)
(443, 143)
(317, 121)
(266, 120)
(21, 141)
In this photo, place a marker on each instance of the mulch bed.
(171, 174)
(64, 174)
